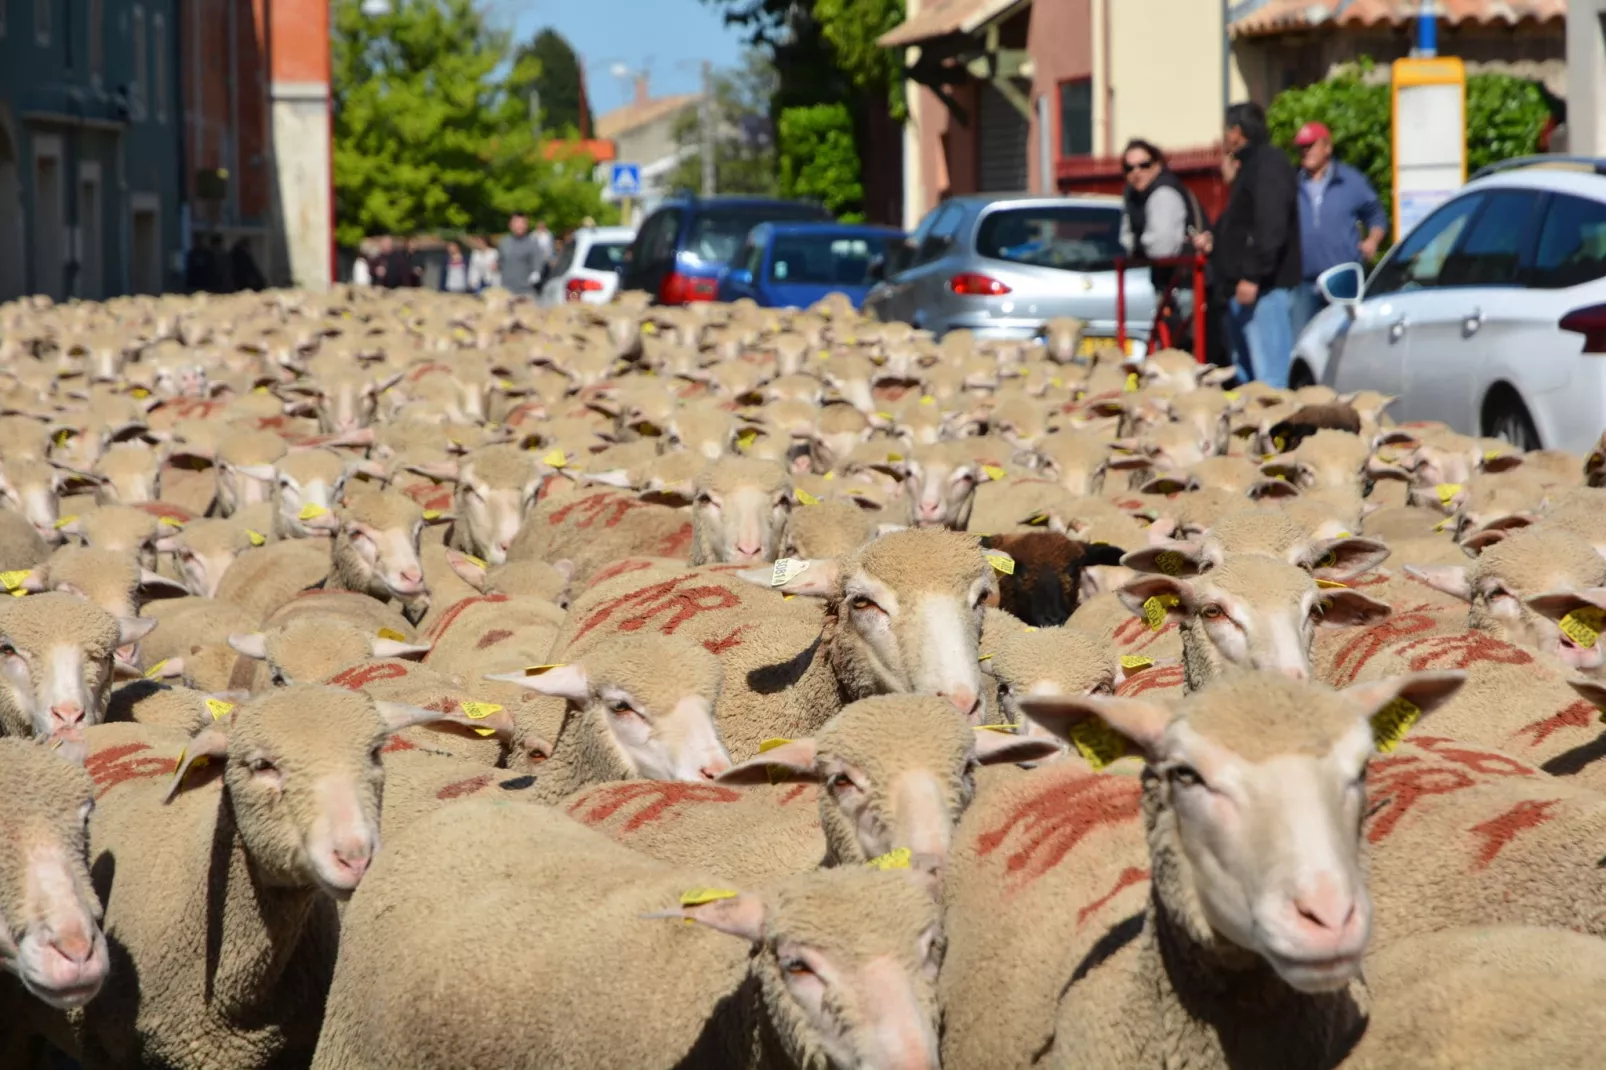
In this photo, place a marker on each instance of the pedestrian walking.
(545, 242)
(1336, 207)
(1159, 215)
(519, 256)
(482, 266)
(362, 268)
(454, 278)
(1256, 249)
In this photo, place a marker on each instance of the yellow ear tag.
(1135, 661)
(537, 670)
(928, 400)
(1154, 610)
(1490, 455)
(311, 511)
(984, 657)
(432, 514)
(805, 498)
(155, 671)
(1098, 743)
(171, 521)
(62, 436)
(1001, 729)
(1230, 395)
(1344, 535)
(828, 476)
(13, 581)
(1037, 519)
(64, 521)
(648, 328)
(555, 459)
(392, 634)
(1447, 492)
(1170, 562)
(771, 744)
(746, 438)
(1390, 724)
(140, 392)
(897, 858)
(257, 538)
(884, 415)
(1132, 383)
(894, 458)
(1583, 626)
(475, 711)
(218, 708)
(1002, 563)
(1280, 442)
(696, 897)
(788, 569)
(1056, 382)
(1328, 585)
(993, 471)
(1446, 522)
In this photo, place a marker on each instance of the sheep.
(306, 649)
(493, 633)
(494, 486)
(128, 473)
(594, 529)
(376, 549)
(1050, 661)
(21, 545)
(53, 939)
(245, 469)
(56, 665)
(264, 578)
(1251, 610)
(1538, 588)
(192, 640)
(307, 486)
(1277, 918)
(249, 865)
(30, 487)
(121, 529)
(864, 942)
(1323, 460)
(827, 529)
(1050, 574)
(940, 483)
(1262, 531)
(740, 512)
(109, 580)
(205, 550)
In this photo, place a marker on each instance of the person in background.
(482, 272)
(415, 265)
(362, 272)
(247, 276)
(1336, 205)
(1159, 214)
(1255, 247)
(544, 241)
(519, 256)
(454, 278)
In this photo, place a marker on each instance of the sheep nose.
(68, 714)
(412, 576)
(1296, 672)
(351, 862)
(711, 769)
(1327, 912)
(749, 549)
(964, 699)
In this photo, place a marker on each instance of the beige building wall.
(1165, 60)
(300, 115)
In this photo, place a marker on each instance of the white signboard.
(1430, 142)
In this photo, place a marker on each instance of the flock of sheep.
(738, 687)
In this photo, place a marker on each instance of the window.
(716, 234)
(1572, 244)
(97, 42)
(822, 260)
(658, 237)
(1417, 261)
(1076, 117)
(605, 256)
(940, 238)
(41, 20)
(136, 89)
(160, 59)
(1488, 256)
(564, 261)
(1058, 236)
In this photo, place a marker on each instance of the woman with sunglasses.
(1160, 216)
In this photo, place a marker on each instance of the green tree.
(556, 76)
(427, 139)
(818, 158)
(744, 144)
(851, 28)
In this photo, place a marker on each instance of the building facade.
(91, 151)
(643, 133)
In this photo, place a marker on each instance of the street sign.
(624, 180)
(1430, 140)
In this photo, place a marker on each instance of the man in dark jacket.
(1256, 249)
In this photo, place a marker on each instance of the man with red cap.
(1336, 206)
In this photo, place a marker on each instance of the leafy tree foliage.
(744, 146)
(819, 160)
(557, 78)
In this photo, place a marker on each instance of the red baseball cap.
(1311, 133)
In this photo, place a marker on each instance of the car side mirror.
(1344, 285)
(876, 271)
(742, 277)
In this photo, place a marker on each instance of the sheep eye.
(8, 651)
(841, 784)
(704, 499)
(796, 968)
(1185, 776)
(1105, 688)
(375, 752)
(1212, 612)
(864, 604)
(621, 707)
(261, 765)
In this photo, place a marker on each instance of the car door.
(1453, 334)
(892, 301)
(1369, 352)
(743, 277)
(927, 278)
(653, 254)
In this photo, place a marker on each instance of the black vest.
(1137, 207)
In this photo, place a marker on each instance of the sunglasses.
(1128, 168)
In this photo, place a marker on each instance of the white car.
(1489, 316)
(587, 267)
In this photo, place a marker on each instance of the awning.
(1286, 16)
(943, 17)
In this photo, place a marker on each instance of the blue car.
(683, 245)
(784, 265)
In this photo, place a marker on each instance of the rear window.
(823, 259)
(1073, 237)
(606, 256)
(718, 233)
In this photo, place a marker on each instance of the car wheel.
(1507, 419)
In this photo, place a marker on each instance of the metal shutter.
(1001, 142)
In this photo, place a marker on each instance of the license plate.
(1090, 345)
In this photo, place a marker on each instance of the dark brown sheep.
(1046, 585)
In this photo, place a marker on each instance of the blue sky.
(667, 37)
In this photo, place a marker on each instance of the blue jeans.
(1308, 301)
(1262, 337)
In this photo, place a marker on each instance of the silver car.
(587, 267)
(1003, 265)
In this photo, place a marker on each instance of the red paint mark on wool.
(117, 765)
(657, 600)
(1047, 826)
(458, 609)
(665, 795)
(719, 646)
(1163, 678)
(1460, 651)
(795, 792)
(360, 676)
(464, 787)
(1399, 784)
(1499, 831)
(397, 743)
(676, 545)
(1354, 655)
(620, 568)
(1484, 762)
(610, 504)
(1130, 876)
(1580, 714)
(1135, 633)
(491, 638)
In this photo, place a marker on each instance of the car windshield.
(606, 256)
(822, 260)
(717, 234)
(1074, 237)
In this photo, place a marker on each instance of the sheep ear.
(1503, 462)
(1427, 691)
(1475, 544)
(390, 648)
(1138, 592)
(250, 644)
(210, 744)
(1451, 579)
(1215, 376)
(999, 748)
(1344, 608)
(1129, 462)
(133, 629)
(792, 760)
(559, 681)
(1265, 489)
(1346, 558)
(445, 471)
(613, 477)
(152, 583)
(399, 715)
(264, 472)
(1379, 469)
(819, 577)
(471, 571)
(1168, 558)
(1142, 723)
(1591, 691)
(1557, 604)
(740, 915)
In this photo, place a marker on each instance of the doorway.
(13, 255)
(91, 235)
(49, 230)
(145, 238)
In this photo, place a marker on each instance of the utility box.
(1430, 136)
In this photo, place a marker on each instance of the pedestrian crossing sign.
(624, 180)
